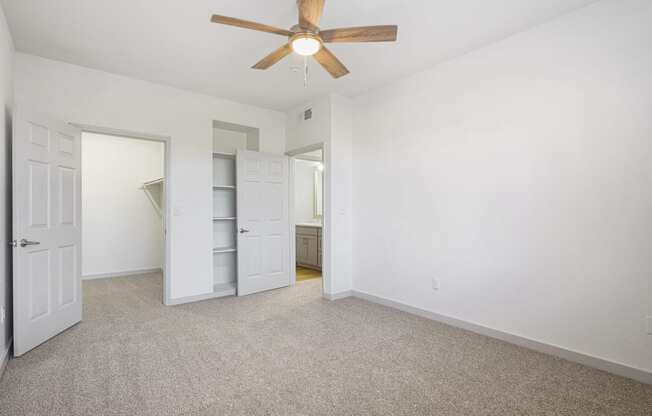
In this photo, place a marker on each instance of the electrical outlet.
(435, 284)
(2, 314)
(649, 325)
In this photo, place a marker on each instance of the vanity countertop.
(309, 224)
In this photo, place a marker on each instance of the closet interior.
(228, 138)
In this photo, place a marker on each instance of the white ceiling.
(172, 42)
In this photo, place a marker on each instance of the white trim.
(338, 295)
(167, 220)
(567, 354)
(108, 131)
(196, 298)
(4, 360)
(291, 221)
(326, 223)
(123, 273)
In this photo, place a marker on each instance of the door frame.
(167, 153)
(326, 217)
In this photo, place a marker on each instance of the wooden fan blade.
(310, 13)
(330, 63)
(273, 57)
(232, 21)
(360, 34)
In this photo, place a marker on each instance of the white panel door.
(263, 227)
(46, 229)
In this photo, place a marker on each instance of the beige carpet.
(288, 352)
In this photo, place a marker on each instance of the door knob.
(24, 243)
(243, 230)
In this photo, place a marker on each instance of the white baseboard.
(338, 295)
(570, 355)
(4, 358)
(120, 274)
(195, 298)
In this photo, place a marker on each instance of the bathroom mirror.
(319, 186)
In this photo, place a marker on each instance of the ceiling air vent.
(307, 114)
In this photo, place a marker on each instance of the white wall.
(85, 96)
(6, 95)
(121, 230)
(331, 124)
(340, 194)
(304, 191)
(301, 133)
(226, 141)
(520, 176)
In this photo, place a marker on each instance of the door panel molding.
(263, 209)
(46, 164)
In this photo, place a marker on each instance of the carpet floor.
(289, 352)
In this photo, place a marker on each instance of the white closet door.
(263, 227)
(47, 229)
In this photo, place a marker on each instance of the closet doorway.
(124, 198)
(250, 214)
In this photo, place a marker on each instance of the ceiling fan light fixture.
(307, 39)
(306, 45)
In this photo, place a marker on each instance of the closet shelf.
(224, 221)
(224, 250)
(155, 193)
(153, 182)
(224, 155)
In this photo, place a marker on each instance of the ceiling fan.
(307, 39)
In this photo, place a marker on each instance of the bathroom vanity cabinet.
(309, 246)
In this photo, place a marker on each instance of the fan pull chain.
(305, 72)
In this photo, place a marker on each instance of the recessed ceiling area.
(175, 44)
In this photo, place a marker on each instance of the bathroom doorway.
(308, 213)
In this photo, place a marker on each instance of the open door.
(46, 229)
(263, 227)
